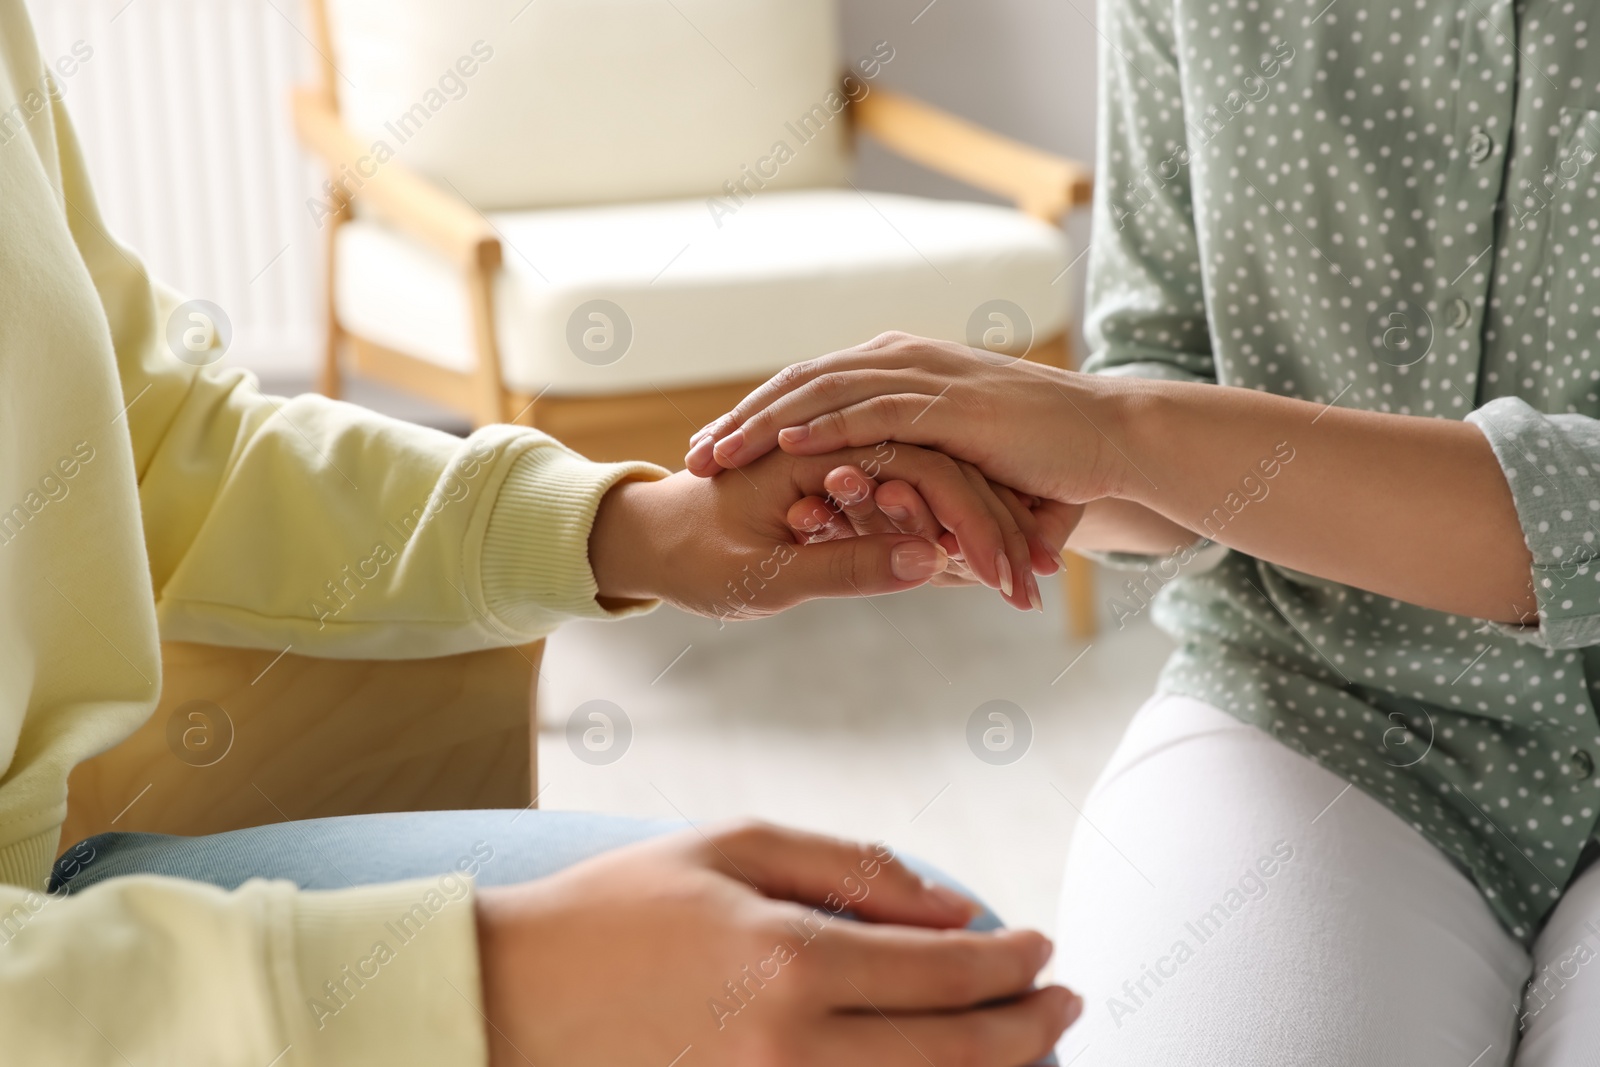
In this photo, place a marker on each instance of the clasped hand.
(991, 487)
(765, 537)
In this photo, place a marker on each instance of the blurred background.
(849, 717)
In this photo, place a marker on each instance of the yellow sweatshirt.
(142, 498)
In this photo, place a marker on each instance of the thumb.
(860, 566)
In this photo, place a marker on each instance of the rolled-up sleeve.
(1146, 314)
(1550, 463)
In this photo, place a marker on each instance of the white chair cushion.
(787, 277)
(518, 104)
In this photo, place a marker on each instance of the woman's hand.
(856, 505)
(724, 547)
(1035, 428)
(730, 943)
(1189, 453)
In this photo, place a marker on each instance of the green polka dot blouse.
(1392, 206)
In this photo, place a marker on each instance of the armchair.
(611, 221)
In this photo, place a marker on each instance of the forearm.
(1413, 508)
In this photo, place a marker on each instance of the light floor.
(851, 717)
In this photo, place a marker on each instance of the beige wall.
(1023, 67)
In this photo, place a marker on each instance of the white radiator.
(182, 109)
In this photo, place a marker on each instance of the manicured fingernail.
(727, 449)
(949, 898)
(793, 435)
(898, 514)
(700, 453)
(1033, 595)
(1003, 565)
(915, 561)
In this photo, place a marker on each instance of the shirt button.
(1582, 764)
(1480, 146)
(1457, 313)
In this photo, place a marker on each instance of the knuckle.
(864, 856)
(942, 466)
(757, 422)
(836, 422)
(845, 570)
(806, 973)
(794, 374)
(957, 982)
(725, 425)
(743, 831)
(891, 407)
(829, 386)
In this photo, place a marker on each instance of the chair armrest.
(1044, 185)
(244, 737)
(414, 204)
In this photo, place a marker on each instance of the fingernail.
(699, 453)
(711, 429)
(949, 898)
(915, 561)
(793, 435)
(1033, 595)
(898, 514)
(727, 449)
(1074, 1009)
(1047, 948)
(1003, 565)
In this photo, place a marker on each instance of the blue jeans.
(370, 849)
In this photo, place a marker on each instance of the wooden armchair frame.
(649, 425)
(244, 737)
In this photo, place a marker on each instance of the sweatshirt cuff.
(535, 566)
(386, 975)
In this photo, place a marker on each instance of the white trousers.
(1227, 901)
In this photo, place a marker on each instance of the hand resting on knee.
(732, 944)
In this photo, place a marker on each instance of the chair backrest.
(535, 103)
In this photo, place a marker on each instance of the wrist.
(1120, 412)
(1137, 411)
(623, 542)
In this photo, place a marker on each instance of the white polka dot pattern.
(1390, 206)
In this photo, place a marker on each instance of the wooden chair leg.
(331, 382)
(1077, 582)
(493, 398)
